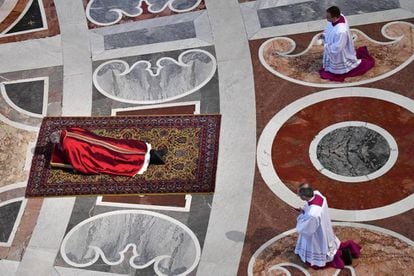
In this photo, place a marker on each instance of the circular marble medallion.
(353, 151)
(284, 161)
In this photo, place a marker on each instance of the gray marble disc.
(353, 151)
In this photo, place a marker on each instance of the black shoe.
(156, 157)
(346, 256)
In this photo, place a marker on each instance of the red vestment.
(89, 153)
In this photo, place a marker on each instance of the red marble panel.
(290, 153)
(10, 194)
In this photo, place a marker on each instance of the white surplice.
(317, 243)
(339, 56)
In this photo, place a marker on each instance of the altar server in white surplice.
(339, 56)
(317, 243)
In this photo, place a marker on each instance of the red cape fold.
(89, 153)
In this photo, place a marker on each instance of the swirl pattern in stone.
(153, 238)
(107, 12)
(171, 80)
(277, 56)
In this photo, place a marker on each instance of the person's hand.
(298, 210)
(321, 39)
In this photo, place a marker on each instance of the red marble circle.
(290, 151)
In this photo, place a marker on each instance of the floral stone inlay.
(277, 55)
(13, 151)
(380, 254)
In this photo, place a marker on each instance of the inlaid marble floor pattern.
(256, 63)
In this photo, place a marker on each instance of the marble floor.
(256, 64)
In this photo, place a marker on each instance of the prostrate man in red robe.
(89, 153)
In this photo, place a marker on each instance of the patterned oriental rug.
(191, 144)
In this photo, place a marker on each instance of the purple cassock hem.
(338, 261)
(367, 62)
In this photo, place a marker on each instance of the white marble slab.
(69, 13)
(250, 18)
(31, 54)
(235, 169)
(203, 27)
(264, 4)
(376, 17)
(77, 63)
(67, 271)
(407, 4)
(228, 30)
(54, 215)
(146, 49)
(77, 95)
(8, 267)
(76, 49)
(43, 247)
(52, 221)
(37, 261)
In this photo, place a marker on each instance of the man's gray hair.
(54, 137)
